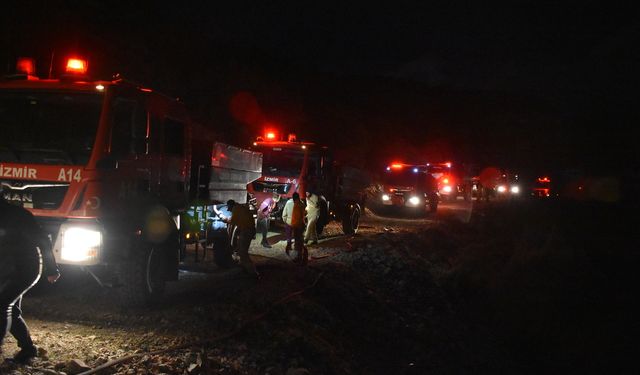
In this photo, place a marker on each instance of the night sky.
(532, 86)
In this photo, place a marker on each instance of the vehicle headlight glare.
(386, 197)
(447, 189)
(515, 189)
(80, 244)
(414, 201)
(502, 189)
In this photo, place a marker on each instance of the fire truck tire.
(222, 252)
(141, 277)
(351, 220)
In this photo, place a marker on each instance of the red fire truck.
(541, 187)
(409, 187)
(293, 166)
(107, 167)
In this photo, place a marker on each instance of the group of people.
(25, 255)
(298, 231)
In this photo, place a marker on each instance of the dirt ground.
(506, 287)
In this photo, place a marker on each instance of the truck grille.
(34, 194)
(271, 187)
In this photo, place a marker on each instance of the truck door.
(173, 166)
(128, 151)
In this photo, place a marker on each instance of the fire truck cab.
(107, 167)
(409, 187)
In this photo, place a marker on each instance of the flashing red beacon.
(77, 66)
(26, 65)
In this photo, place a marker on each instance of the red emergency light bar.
(77, 66)
(396, 166)
(544, 179)
(26, 65)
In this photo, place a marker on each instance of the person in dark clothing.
(24, 247)
(242, 218)
(297, 224)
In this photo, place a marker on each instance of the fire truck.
(541, 187)
(409, 187)
(291, 166)
(107, 167)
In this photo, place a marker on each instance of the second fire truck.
(293, 166)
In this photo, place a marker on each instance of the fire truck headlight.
(80, 245)
(502, 189)
(447, 189)
(515, 189)
(386, 197)
(414, 201)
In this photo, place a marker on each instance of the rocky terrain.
(515, 287)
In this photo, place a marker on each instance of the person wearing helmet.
(24, 247)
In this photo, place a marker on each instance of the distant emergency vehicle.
(409, 187)
(451, 182)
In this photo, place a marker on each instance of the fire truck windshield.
(48, 127)
(282, 162)
(403, 177)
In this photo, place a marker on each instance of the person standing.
(286, 218)
(297, 226)
(264, 214)
(23, 249)
(242, 219)
(313, 212)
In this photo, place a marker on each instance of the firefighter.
(24, 247)
(242, 219)
(313, 212)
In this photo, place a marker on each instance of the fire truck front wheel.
(351, 219)
(141, 278)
